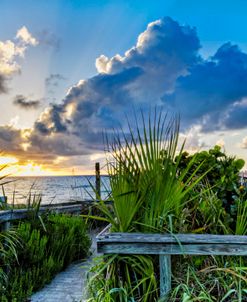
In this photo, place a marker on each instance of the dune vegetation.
(157, 187)
(36, 249)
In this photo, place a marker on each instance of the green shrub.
(44, 252)
(223, 173)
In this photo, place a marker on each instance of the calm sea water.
(52, 188)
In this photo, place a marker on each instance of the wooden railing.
(167, 245)
(6, 216)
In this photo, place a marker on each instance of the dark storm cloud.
(10, 139)
(51, 121)
(236, 116)
(25, 103)
(211, 90)
(59, 145)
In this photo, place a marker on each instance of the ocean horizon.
(53, 189)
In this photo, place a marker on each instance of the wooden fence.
(6, 216)
(166, 245)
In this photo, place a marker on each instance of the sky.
(71, 69)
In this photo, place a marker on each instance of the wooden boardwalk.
(69, 285)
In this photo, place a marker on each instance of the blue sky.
(74, 41)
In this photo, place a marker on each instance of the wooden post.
(97, 180)
(3, 199)
(165, 276)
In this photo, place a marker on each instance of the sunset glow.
(31, 169)
(6, 160)
(15, 169)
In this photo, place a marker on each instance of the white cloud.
(102, 63)
(24, 35)
(14, 122)
(147, 35)
(243, 145)
(193, 138)
(10, 51)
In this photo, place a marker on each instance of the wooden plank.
(168, 238)
(165, 275)
(173, 249)
(17, 214)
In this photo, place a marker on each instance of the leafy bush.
(44, 252)
(223, 173)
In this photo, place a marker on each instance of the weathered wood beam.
(17, 214)
(168, 238)
(173, 249)
(166, 245)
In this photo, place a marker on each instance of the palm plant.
(147, 190)
(146, 185)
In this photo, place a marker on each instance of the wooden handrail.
(16, 214)
(166, 245)
(7, 216)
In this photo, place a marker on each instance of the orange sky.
(13, 168)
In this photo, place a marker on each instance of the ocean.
(53, 189)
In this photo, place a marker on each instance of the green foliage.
(147, 193)
(128, 278)
(221, 279)
(223, 173)
(9, 243)
(156, 189)
(241, 219)
(44, 252)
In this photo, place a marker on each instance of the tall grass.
(9, 241)
(44, 253)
